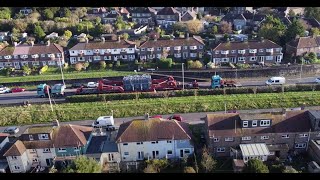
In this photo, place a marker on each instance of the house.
(178, 48)
(287, 131)
(110, 17)
(303, 45)
(31, 55)
(98, 10)
(138, 140)
(143, 16)
(123, 12)
(298, 11)
(4, 146)
(53, 35)
(244, 21)
(240, 10)
(3, 36)
(189, 15)
(249, 52)
(25, 11)
(183, 9)
(103, 51)
(17, 158)
(168, 16)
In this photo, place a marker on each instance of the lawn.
(68, 75)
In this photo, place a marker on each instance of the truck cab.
(58, 90)
(216, 81)
(42, 90)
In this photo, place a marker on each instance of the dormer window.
(254, 123)
(265, 123)
(217, 52)
(228, 139)
(43, 136)
(225, 52)
(253, 51)
(241, 51)
(233, 51)
(245, 124)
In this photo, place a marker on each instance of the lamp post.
(302, 59)
(49, 97)
(60, 65)
(182, 75)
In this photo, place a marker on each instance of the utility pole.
(49, 97)
(302, 59)
(225, 107)
(182, 76)
(62, 76)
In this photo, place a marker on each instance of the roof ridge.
(119, 138)
(182, 128)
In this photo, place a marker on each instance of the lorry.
(104, 122)
(276, 81)
(43, 90)
(218, 82)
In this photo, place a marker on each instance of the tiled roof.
(143, 10)
(38, 144)
(192, 41)
(152, 130)
(71, 135)
(168, 11)
(104, 45)
(315, 113)
(4, 149)
(191, 13)
(17, 149)
(29, 50)
(246, 45)
(303, 42)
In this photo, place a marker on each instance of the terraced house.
(282, 133)
(153, 139)
(31, 55)
(179, 48)
(247, 52)
(115, 50)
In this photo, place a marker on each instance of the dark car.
(176, 117)
(76, 85)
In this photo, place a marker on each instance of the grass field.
(129, 108)
(69, 75)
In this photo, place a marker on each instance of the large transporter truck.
(43, 90)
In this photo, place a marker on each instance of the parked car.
(77, 85)
(317, 80)
(4, 89)
(92, 85)
(176, 117)
(17, 89)
(11, 130)
(276, 81)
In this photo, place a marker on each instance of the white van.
(104, 122)
(276, 81)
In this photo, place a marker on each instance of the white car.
(4, 89)
(92, 85)
(11, 130)
(317, 80)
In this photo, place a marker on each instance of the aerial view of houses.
(159, 90)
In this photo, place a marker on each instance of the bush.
(165, 63)
(211, 65)
(26, 70)
(109, 65)
(78, 67)
(194, 64)
(102, 65)
(189, 170)
(43, 69)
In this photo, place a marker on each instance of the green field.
(70, 75)
(129, 108)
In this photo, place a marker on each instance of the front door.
(48, 162)
(261, 59)
(181, 153)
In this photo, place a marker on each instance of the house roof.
(71, 135)
(192, 41)
(315, 113)
(4, 149)
(192, 13)
(104, 45)
(100, 144)
(17, 149)
(38, 144)
(309, 21)
(247, 45)
(230, 125)
(255, 116)
(143, 10)
(152, 130)
(29, 50)
(303, 42)
(122, 10)
(3, 136)
(168, 11)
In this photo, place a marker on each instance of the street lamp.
(60, 65)
(182, 75)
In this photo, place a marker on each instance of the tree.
(38, 32)
(48, 14)
(199, 16)
(66, 12)
(158, 164)
(78, 67)
(150, 169)
(5, 13)
(179, 26)
(26, 70)
(272, 29)
(214, 29)
(207, 161)
(294, 29)
(315, 32)
(291, 13)
(108, 28)
(102, 65)
(311, 12)
(165, 63)
(67, 34)
(189, 169)
(120, 24)
(194, 26)
(194, 64)
(225, 27)
(83, 164)
(255, 166)
(97, 20)
(125, 36)
(290, 170)
(86, 65)
(80, 12)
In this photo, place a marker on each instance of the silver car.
(11, 130)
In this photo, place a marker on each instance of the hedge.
(190, 92)
(138, 107)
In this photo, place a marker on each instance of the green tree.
(294, 29)
(83, 164)
(272, 29)
(86, 65)
(255, 166)
(125, 36)
(67, 34)
(26, 70)
(66, 12)
(102, 65)
(214, 29)
(207, 162)
(78, 67)
(158, 30)
(165, 63)
(315, 32)
(97, 20)
(199, 16)
(48, 14)
(311, 12)
(38, 32)
(189, 169)
(5, 13)
(120, 24)
(179, 26)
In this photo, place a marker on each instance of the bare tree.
(108, 28)
(225, 27)
(194, 26)
(207, 161)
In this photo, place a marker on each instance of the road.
(31, 96)
(191, 118)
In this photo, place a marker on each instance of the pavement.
(191, 118)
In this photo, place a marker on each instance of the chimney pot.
(48, 43)
(119, 39)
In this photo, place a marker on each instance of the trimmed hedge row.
(189, 92)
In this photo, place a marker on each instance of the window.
(253, 51)
(245, 124)
(35, 160)
(264, 137)
(200, 47)
(143, 49)
(76, 148)
(13, 157)
(169, 152)
(154, 142)
(265, 123)
(62, 150)
(16, 167)
(246, 138)
(43, 136)
(221, 149)
(58, 55)
(96, 58)
(187, 151)
(261, 50)
(182, 141)
(269, 50)
(140, 154)
(30, 137)
(300, 145)
(158, 48)
(215, 139)
(228, 139)
(138, 143)
(269, 58)
(285, 136)
(303, 135)
(45, 150)
(241, 58)
(233, 51)
(254, 123)
(185, 47)
(126, 153)
(217, 52)
(279, 58)
(43, 55)
(253, 58)
(169, 141)
(241, 51)
(32, 151)
(111, 157)
(271, 153)
(125, 144)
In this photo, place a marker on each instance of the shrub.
(43, 69)
(189, 169)
(118, 64)
(109, 65)
(78, 67)
(26, 70)
(211, 65)
(165, 63)
(102, 65)
(194, 64)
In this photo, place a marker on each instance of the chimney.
(119, 39)
(48, 43)
(103, 39)
(15, 43)
(187, 35)
(32, 43)
(155, 37)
